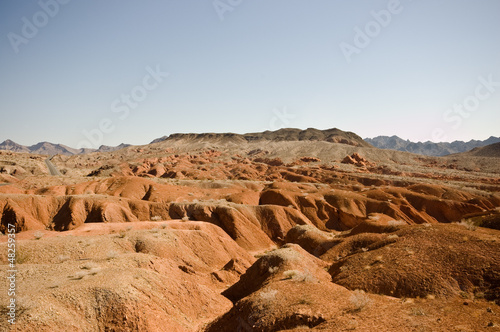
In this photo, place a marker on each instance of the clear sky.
(105, 72)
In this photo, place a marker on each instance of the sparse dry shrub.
(89, 266)
(417, 311)
(468, 224)
(111, 254)
(379, 259)
(479, 295)
(273, 269)
(24, 303)
(156, 218)
(302, 327)
(79, 275)
(297, 275)
(290, 274)
(359, 300)
(396, 222)
(38, 235)
(62, 258)
(268, 295)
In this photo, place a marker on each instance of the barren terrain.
(262, 232)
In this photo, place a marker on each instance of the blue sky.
(85, 73)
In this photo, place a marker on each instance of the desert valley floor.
(288, 230)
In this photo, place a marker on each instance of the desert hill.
(492, 150)
(286, 134)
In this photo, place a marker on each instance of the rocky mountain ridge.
(48, 148)
(428, 148)
(333, 135)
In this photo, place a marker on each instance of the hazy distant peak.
(47, 148)
(428, 148)
(107, 148)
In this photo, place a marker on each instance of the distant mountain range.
(53, 149)
(333, 135)
(428, 148)
(492, 150)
